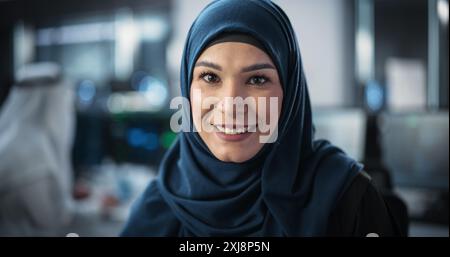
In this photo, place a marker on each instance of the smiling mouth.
(235, 130)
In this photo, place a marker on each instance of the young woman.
(222, 179)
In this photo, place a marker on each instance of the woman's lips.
(234, 133)
(233, 137)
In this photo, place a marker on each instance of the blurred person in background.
(36, 133)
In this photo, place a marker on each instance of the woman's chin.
(235, 154)
(236, 148)
(232, 158)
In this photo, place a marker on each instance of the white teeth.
(230, 131)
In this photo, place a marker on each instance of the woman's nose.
(231, 99)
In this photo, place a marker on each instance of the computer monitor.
(345, 128)
(415, 148)
(140, 138)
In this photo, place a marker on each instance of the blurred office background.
(377, 72)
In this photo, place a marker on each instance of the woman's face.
(232, 130)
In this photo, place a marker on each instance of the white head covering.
(36, 131)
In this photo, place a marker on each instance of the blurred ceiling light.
(75, 34)
(364, 41)
(125, 30)
(86, 33)
(442, 9)
(365, 49)
(153, 28)
(127, 38)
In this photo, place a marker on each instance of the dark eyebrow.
(258, 66)
(208, 64)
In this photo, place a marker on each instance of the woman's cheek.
(196, 106)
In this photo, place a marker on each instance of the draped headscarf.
(288, 189)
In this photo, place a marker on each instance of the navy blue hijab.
(288, 189)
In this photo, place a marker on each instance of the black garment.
(361, 211)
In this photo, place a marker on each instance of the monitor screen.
(415, 148)
(344, 128)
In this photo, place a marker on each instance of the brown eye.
(257, 80)
(209, 77)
